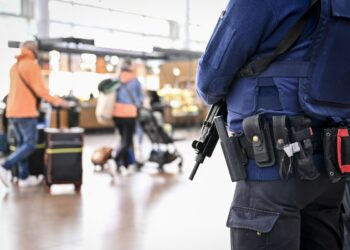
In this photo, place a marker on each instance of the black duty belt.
(289, 142)
(317, 138)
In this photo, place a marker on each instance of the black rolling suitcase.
(3, 139)
(64, 149)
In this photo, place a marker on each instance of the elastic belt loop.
(342, 132)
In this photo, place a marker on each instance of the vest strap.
(260, 65)
(286, 69)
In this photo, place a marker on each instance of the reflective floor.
(132, 211)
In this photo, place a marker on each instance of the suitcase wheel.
(139, 165)
(48, 187)
(161, 169)
(77, 187)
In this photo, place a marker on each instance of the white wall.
(13, 28)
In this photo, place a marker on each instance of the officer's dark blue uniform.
(346, 216)
(267, 212)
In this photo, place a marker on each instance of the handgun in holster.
(284, 148)
(302, 133)
(236, 159)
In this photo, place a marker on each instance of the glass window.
(138, 24)
(130, 42)
(90, 16)
(173, 10)
(86, 83)
(12, 6)
(200, 33)
(90, 2)
(207, 13)
(198, 46)
(88, 33)
(19, 28)
(203, 18)
(60, 30)
(60, 83)
(61, 11)
(105, 21)
(127, 22)
(81, 84)
(19, 31)
(7, 58)
(103, 38)
(156, 27)
(163, 42)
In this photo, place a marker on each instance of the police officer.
(272, 208)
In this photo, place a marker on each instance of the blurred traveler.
(129, 97)
(26, 87)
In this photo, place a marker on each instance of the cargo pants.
(287, 214)
(346, 215)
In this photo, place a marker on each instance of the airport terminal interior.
(151, 204)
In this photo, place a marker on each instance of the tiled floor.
(139, 211)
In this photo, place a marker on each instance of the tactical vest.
(324, 86)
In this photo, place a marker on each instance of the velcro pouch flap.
(252, 219)
(280, 131)
(257, 131)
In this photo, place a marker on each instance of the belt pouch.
(330, 154)
(235, 157)
(343, 150)
(303, 164)
(281, 137)
(257, 131)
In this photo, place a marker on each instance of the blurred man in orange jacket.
(26, 86)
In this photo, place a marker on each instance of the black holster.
(235, 157)
(330, 154)
(301, 132)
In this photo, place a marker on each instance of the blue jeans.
(26, 139)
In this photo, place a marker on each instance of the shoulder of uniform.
(262, 6)
(272, 5)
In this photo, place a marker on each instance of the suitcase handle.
(58, 112)
(58, 117)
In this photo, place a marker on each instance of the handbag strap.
(26, 83)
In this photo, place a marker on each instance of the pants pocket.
(250, 228)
